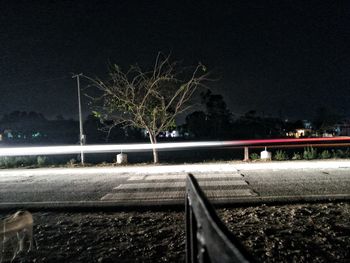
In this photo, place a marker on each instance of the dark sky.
(277, 57)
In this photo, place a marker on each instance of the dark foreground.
(290, 233)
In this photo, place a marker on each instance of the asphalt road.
(164, 184)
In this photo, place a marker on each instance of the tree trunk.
(153, 140)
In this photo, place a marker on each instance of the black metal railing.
(207, 238)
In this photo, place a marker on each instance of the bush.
(325, 155)
(5, 161)
(41, 160)
(72, 162)
(347, 153)
(254, 156)
(339, 153)
(22, 161)
(310, 153)
(17, 161)
(297, 156)
(280, 156)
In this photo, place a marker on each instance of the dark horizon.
(283, 59)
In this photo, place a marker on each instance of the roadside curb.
(122, 170)
(284, 165)
(232, 166)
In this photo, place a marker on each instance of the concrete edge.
(229, 166)
(156, 204)
(283, 165)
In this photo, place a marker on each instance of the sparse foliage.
(17, 161)
(41, 160)
(281, 155)
(310, 153)
(254, 156)
(297, 156)
(72, 162)
(149, 100)
(338, 153)
(325, 154)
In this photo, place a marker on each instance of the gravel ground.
(289, 233)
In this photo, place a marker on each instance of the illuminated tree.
(149, 100)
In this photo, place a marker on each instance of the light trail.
(274, 141)
(76, 149)
(324, 145)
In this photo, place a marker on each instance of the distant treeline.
(214, 121)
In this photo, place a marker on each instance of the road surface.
(165, 184)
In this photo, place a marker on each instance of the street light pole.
(81, 135)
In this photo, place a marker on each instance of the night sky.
(281, 58)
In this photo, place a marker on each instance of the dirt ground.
(289, 233)
(293, 233)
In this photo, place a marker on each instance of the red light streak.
(273, 141)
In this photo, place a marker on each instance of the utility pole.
(81, 135)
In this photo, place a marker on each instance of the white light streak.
(75, 149)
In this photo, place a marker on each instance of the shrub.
(5, 161)
(280, 156)
(339, 153)
(310, 153)
(325, 155)
(297, 156)
(16, 161)
(254, 156)
(41, 160)
(334, 154)
(347, 153)
(72, 162)
(21, 161)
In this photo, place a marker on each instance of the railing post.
(188, 229)
(194, 240)
(246, 154)
(191, 232)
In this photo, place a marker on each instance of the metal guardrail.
(207, 238)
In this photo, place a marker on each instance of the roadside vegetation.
(23, 161)
(309, 153)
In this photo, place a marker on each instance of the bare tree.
(150, 100)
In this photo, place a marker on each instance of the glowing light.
(75, 149)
